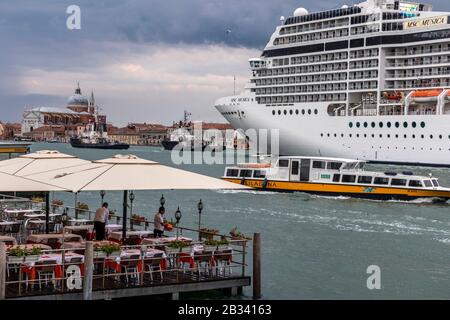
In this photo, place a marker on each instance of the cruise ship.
(367, 81)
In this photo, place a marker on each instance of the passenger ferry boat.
(368, 81)
(336, 177)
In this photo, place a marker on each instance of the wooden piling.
(2, 270)
(257, 266)
(88, 270)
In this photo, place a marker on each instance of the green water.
(313, 247)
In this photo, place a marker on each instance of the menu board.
(408, 7)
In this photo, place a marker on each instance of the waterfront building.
(8, 131)
(79, 112)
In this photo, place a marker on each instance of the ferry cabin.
(336, 177)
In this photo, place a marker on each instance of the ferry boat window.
(415, 183)
(259, 174)
(283, 163)
(319, 164)
(334, 165)
(336, 177)
(427, 183)
(435, 182)
(398, 182)
(397, 124)
(360, 165)
(348, 178)
(232, 172)
(246, 173)
(422, 124)
(379, 180)
(350, 165)
(389, 124)
(414, 124)
(365, 179)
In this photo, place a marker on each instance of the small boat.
(336, 177)
(426, 95)
(96, 137)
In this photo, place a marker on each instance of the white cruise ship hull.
(329, 136)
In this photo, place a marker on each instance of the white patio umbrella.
(129, 173)
(39, 162)
(35, 163)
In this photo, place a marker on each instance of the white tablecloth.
(117, 235)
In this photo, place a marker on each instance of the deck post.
(88, 270)
(47, 212)
(175, 296)
(257, 266)
(2, 270)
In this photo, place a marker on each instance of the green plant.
(138, 217)
(82, 206)
(178, 244)
(57, 202)
(37, 199)
(238, 235)
(17, 252)
(109, 248)
(35, 251)
(211, 242)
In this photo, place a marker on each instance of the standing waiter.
(101, 218)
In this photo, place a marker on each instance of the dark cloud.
(33, 33)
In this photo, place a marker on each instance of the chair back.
(54, 243)
(14, 228)
(132, 260)
(203, 256)
(45, 265)
(155, 260)
(132, 241)
(76, 260)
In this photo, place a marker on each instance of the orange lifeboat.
(255, 165)
(426, 95)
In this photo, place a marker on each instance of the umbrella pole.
(124, 217)
(47, 211)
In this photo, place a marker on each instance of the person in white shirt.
(159, 223)
(100, 220)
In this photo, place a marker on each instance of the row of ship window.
(324, 15)
(388, 124)
(422, 136)
(291, 112)
(303, 98)
(350, 178)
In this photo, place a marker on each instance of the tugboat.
(182, 136)
(336, 177)
(96, 137)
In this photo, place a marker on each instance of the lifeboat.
(426, 95)
(393, 96)
(255, 165)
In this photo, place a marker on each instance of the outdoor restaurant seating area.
(40, 263)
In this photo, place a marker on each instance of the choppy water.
(315, 247)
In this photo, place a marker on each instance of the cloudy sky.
(147, 60)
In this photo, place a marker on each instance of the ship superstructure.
(368, 82)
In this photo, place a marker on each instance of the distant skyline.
(146, 60)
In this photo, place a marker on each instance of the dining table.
(164, 240)
(149, 253)
(61, 237)
(117, 235)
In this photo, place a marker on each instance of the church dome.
(78, 99)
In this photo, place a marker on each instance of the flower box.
(15, 259)
(99, 255)
(114, 255)
(209, 248)
(186, 250)
(31, 258)
(171, 251)
(223, 247)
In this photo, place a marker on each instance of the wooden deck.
(173, 284)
